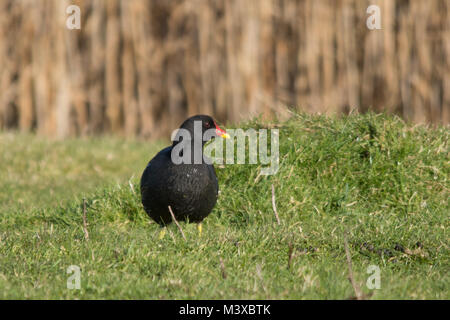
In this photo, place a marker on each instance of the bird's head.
(201, 127)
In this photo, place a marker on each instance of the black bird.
(190, 188)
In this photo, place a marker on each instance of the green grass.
(38, 172)
(383, 181)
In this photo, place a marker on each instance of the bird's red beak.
(221, 133)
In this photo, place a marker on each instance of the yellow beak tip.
(225, 136)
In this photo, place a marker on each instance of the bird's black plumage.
(190, 189)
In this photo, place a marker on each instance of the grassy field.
(381, 181)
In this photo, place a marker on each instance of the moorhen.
(176, 177)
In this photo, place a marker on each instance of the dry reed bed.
(140, 67)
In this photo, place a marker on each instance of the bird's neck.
(190, 150)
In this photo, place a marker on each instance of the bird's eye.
(207, 125)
